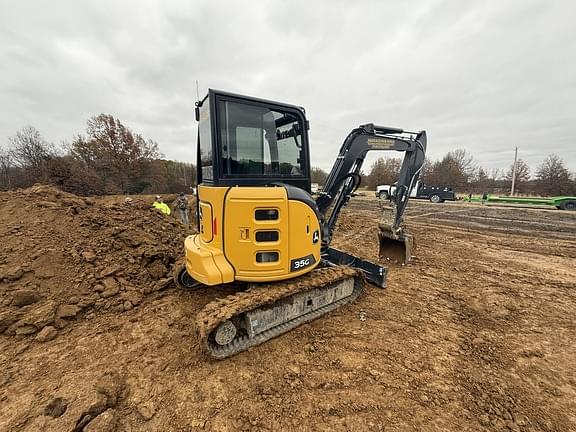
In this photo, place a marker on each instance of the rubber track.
(225, 308)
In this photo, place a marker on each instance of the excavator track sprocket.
(237, 322)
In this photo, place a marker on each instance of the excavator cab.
(249, 141)
(257, 219)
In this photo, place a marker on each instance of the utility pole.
(514, 172)
(183, 167)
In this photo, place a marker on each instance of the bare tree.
(495, 173)
(318, 175)
(552, 177)
(481, 181)
(426, 170)
(383, 171)
(28, 149)
(28, 155)
(465, 162)
(5, 166)
(522, 175)
(455, 169)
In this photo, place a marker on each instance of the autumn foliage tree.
(166, 176)
(111, 158)
(31, 159)
(116, 153)
(70, 175)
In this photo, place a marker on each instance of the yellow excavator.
(260, 228)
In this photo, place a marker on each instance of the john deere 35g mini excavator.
(260, 227)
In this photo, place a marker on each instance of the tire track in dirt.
(487, 329)
(485, 371)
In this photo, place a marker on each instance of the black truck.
(435, 194)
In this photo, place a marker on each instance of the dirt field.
(477, 334)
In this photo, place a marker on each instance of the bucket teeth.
(264, 297)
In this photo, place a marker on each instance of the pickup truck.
(419, 191)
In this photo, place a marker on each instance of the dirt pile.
(65, 258)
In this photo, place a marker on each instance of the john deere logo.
(315, 237)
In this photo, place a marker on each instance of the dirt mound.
(64, 258)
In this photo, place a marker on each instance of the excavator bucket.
(395, 247)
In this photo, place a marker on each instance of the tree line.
(109, 159)
(458, 169)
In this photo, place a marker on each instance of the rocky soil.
(477, 334)
(65, 258)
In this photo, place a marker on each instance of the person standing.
(181, 203)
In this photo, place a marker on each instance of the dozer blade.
(374, 273)
(237, 322)
(395, 247)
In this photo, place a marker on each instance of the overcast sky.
(481, 75)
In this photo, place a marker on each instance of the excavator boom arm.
(344, 177)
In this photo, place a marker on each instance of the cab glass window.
(258, 141)
(205, 136)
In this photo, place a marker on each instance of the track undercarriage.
(248, 318)
(234, 323)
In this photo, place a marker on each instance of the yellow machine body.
(251, 234)
(259, 223)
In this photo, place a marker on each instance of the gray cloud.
(485, 76)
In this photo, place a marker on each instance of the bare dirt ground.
(477, 334)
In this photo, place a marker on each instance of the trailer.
(560, 202)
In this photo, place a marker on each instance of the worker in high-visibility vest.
(161, 205)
